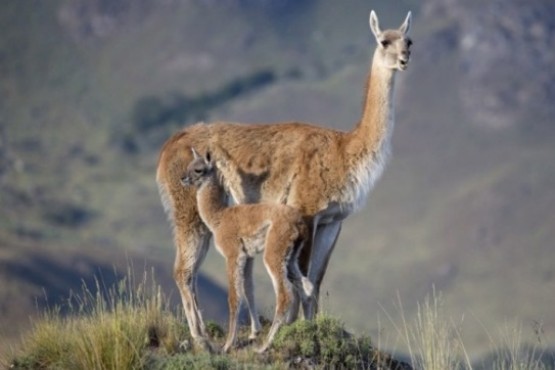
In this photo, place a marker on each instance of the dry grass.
(515, 354)
(436, 339)
(109, 329)
(434, 342)
(130, 326)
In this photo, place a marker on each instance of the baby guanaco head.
(199, 170)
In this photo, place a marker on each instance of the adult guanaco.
(326, 174)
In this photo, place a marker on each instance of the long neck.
(211, 200)
(377, 116)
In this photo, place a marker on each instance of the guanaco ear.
(208, 157)
(375, 25)
(406, 24)
(195, 154)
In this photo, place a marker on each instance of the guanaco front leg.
(324, 240)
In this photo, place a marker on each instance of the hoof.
(204, 345)
(186, 345)
(226, 348)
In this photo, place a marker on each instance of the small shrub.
(323, 341)
(199, 361)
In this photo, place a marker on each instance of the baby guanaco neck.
(211, 200)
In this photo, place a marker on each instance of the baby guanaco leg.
(235, 267)
(248, 293)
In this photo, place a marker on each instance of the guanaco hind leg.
(192, 245)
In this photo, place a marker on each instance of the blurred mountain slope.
(506, 57)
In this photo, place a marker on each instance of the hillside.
(91, 90)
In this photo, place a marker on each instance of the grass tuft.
(109, 329)
(436, 339)
(435, 342)
(514, 354)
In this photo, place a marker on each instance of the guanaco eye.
(385, 43)
(409, 42)
(198, 171)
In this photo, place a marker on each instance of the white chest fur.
(365, 174)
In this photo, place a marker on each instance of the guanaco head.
(393, 45)
(198, 170)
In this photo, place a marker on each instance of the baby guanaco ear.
(195, 154)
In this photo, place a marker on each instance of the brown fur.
(325, 174)
(242, 231)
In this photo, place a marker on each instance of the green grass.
(325, 342)
(131, 326)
